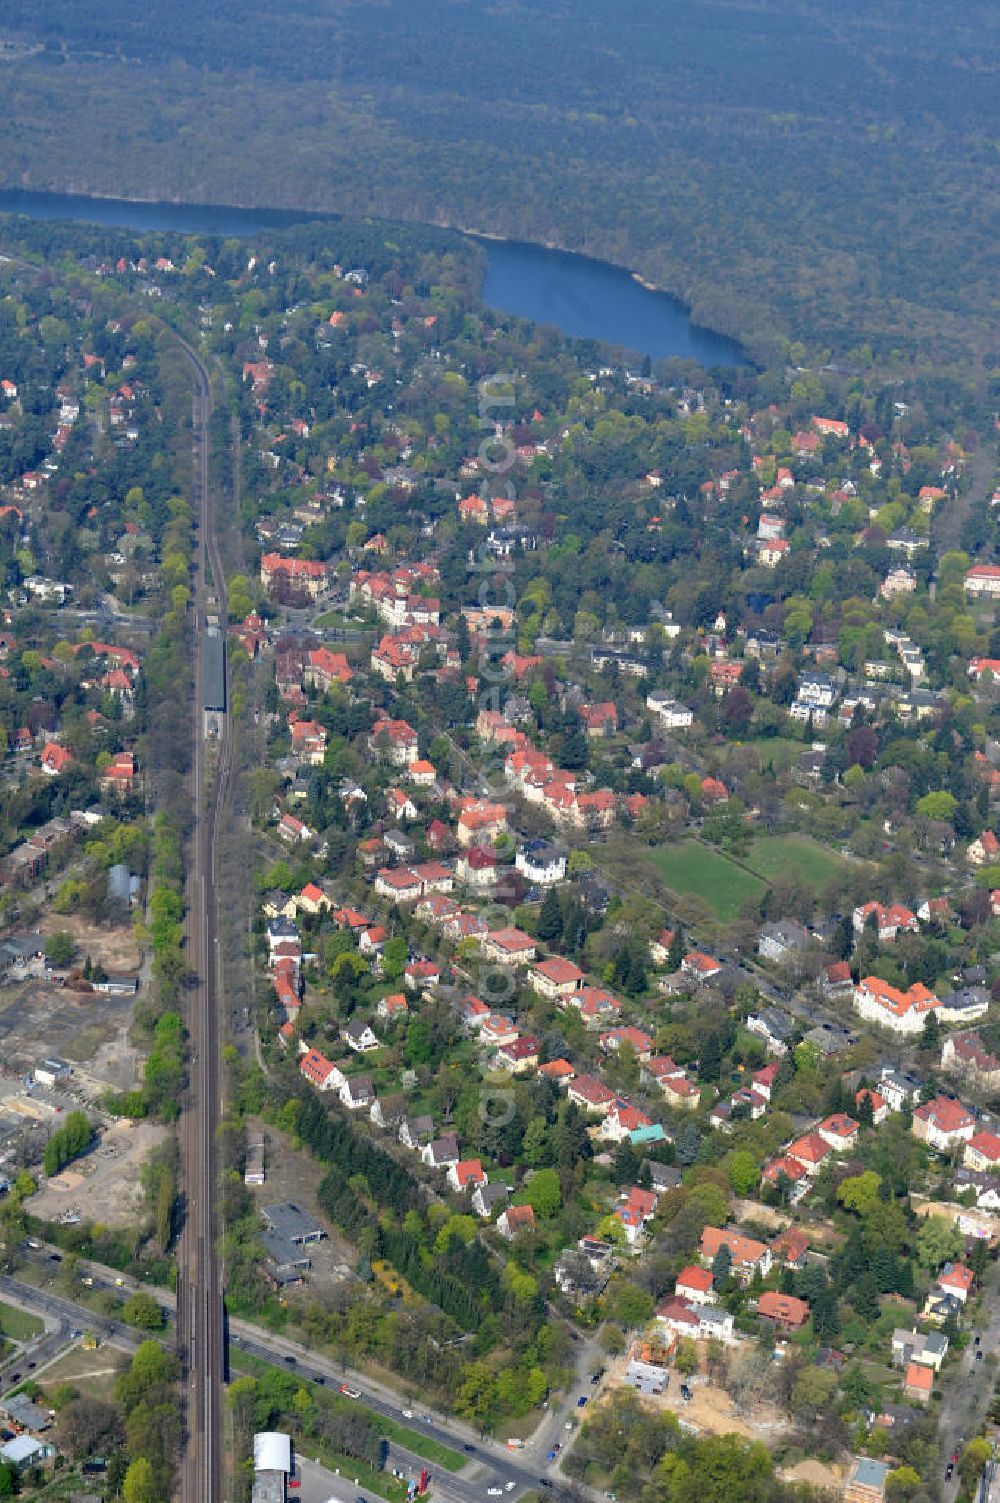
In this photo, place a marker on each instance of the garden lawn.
(18, 1325)
(708, 875)
(794, 856)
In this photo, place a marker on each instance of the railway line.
(200, 1322)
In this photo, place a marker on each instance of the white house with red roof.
(700, 966)
(515, 1219)
(399, 884)
(747, 1255)
(982, 1152)
(879, 1002)
(509, 947)
(783, 1168)
(957, 1280)
(811, 1151)
(596, 1006)
(840, 1131)
(55, 758)
(621, 1121)
(982, 579)
(636, 1209)
(889, 919)
(320, 1071)
(695, 1284)
(590, 1094)
(763, 1080)
(498, 1030)
(943, 1123)
(466, 1175)
(555, 977)
(700, 1322)
(641, 1043)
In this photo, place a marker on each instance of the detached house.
(984, 850)
(903, 1012)
(943, 1123)
(747, 1255)
(555, 978)
(982, 1152)
(466, 1175)
(514, 1220)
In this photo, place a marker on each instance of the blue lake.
(583, 298)
(592, 300)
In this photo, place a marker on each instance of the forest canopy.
(824, 178)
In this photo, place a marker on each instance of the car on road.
(509, 1487)
(949, 1469)
(290, 1360)
(978, 1340)
(686, 1393)
(557, 1447)
(979, 1356)
(468, 1448)
(295, 1482)
(581, 1401)
(349, 1392)
(596, 1377)
(551, 1456)
(407, 1413)
(546, 1482)
(494, 1492)
(954, 1456)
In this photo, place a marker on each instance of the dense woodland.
(823, 179)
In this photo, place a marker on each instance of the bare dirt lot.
(39, 1019)
(710, 1410)
(817, 1474)
(104, 1185)
(113, 946)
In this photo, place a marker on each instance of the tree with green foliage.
(722, 1267)
(544, 1193)
(859, 1192)
(66, 1144)
(930, 1035)
(140, 1485)
(686, 1357)
(60, 947)
(938, 1240)
(143, 1311)
(550, 918)
(744, 1172)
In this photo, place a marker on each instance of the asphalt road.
(967, 1395)
(490, 1463)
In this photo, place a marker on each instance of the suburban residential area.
(611, 947)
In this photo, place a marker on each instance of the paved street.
(967, 1396)
(490, 1462)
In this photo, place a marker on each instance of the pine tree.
(722, 1266)
(550, 918)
